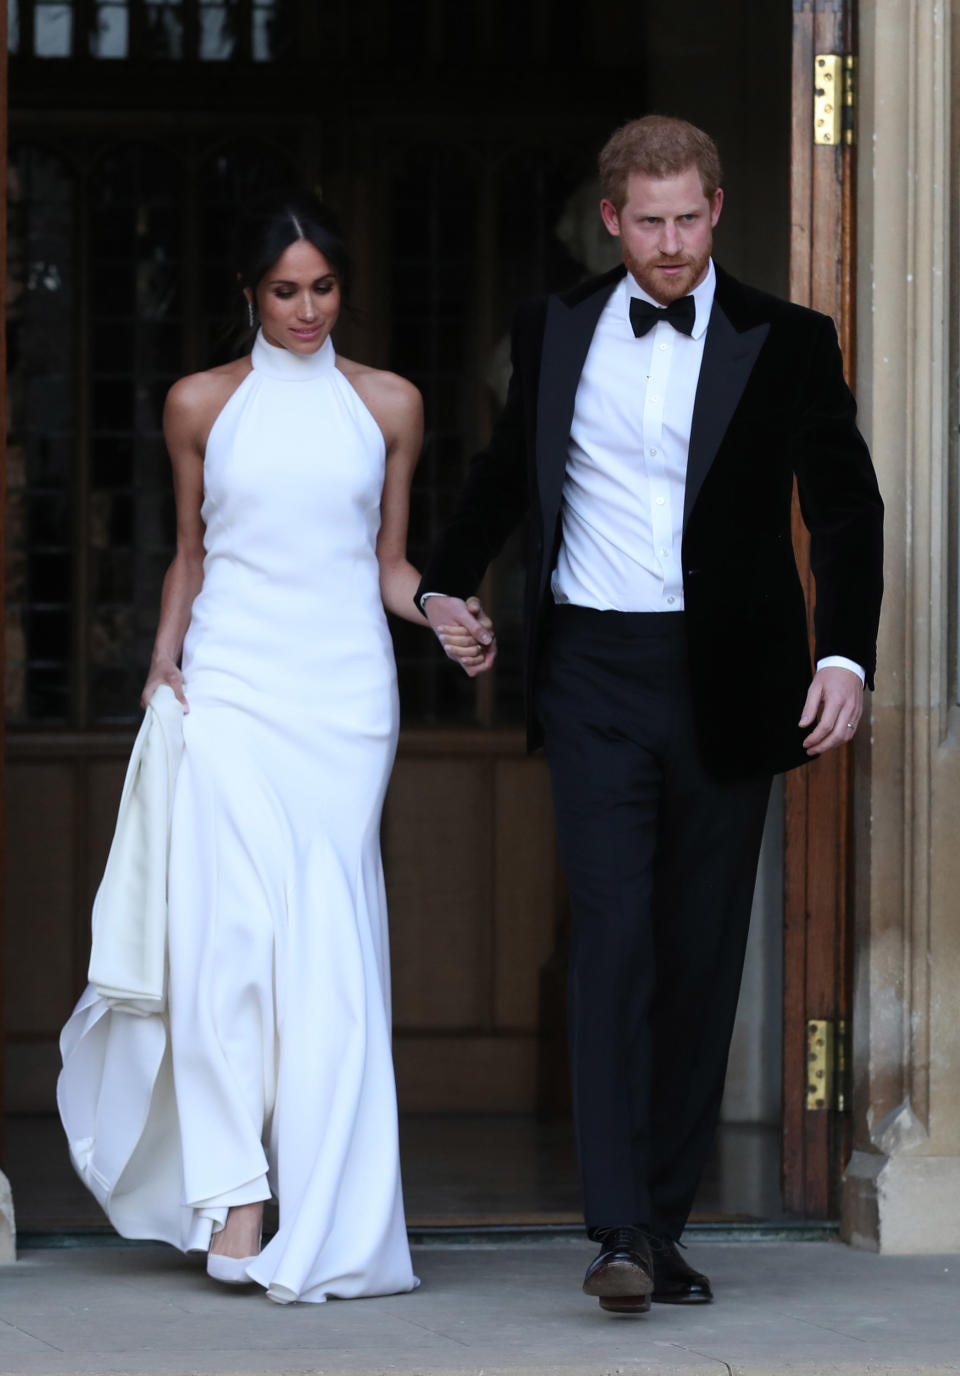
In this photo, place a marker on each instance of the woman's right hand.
(164, 671)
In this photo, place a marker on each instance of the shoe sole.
(619, 1280)
(625, 1304)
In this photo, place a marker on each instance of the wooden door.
(817, 970)
(3, 475)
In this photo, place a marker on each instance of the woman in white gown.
(292, 470)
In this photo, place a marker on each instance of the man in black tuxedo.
(655, 422)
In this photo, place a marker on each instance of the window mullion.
(139, 44)
(26, 29)
(244, 50)
(191, 30)
(84, 26)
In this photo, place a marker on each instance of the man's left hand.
(835, 703)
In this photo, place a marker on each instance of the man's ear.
(716, 205)
(611, 217)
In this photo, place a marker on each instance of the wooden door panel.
(526, 891)
(437, 860)
(471, 870)
(41, 847)
(818, 796)
(3, 490)
(471, 876)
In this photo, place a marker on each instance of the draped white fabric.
(128, 956)
(274, 1069)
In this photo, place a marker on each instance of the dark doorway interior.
(457, 142)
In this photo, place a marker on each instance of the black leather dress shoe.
(674, 1282)
(621, 1274)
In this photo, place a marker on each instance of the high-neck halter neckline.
(271, 361)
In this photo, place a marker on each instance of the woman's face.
(298, 299)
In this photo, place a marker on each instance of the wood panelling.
(525, 905)
(32, 1068)
(104, 784)
(465, 1074)
(438, 863)
(472, 886)
(41, 843)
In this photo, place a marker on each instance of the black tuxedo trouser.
(661, 862)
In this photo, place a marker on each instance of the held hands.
(835, 703)
(164, 671)
(465, 632)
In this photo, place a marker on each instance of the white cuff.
(836, 662)
(425, 595)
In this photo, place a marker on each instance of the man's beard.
(667, 289)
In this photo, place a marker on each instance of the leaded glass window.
(171, 30)
(91, 518)
(110, 37)
(42, 439)
(234, 175)
(135, 356)
(52, 29)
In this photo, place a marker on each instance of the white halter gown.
(279, 994)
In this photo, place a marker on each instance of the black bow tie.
(680, 314)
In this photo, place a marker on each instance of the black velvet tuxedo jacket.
(771, 405)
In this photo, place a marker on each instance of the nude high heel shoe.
(229, 1270)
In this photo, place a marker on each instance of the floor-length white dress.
(279, 997)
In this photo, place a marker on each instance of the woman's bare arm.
(192, 405)
(397, 407)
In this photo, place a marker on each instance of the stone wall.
(8, 1232)
(902, 1185)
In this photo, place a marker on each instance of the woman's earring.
(250, 315)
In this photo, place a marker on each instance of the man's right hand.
(456, 624)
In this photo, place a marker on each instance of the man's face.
(665, 231)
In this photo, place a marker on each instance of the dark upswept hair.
(657, 146)
(284, 218)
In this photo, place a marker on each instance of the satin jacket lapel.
(567, 333)
(728, 359)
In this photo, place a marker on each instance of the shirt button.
(653, 451)
(652, 397)
(664, 552)
(671, 600)
(664, 348)
(659, 501)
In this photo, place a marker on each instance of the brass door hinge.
(834, 99)
(828, 1060)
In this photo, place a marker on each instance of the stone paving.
(485, 1308)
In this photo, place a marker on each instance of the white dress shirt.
(627, 461)
(625, 480)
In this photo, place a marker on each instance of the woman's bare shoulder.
(195, 401)
(378, 385)
(198, 392)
